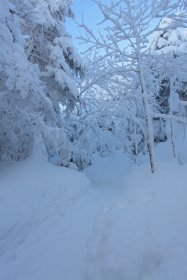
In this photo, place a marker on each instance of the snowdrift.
(121, 224)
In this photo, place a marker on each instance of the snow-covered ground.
(114, 221)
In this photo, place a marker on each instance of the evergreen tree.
(171, 43)
(24, 104)
(38, 66)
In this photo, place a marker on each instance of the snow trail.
(49, 223)
(108, 223)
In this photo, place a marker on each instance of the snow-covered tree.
(38, 66)
(124, 50)
(24, 105)
(172, 45)
(110, 108)
(50, 46)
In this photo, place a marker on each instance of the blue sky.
(90, 13)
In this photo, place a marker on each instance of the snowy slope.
(142, 233)
(34, 199)
(114, 222)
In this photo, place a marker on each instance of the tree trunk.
(171, 121)
(173, 139)
(148, 120)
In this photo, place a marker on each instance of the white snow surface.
(112, 222)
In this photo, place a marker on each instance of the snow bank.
(128, 224)
(142, 234)
(34, 198)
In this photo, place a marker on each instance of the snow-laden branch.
(169, 117)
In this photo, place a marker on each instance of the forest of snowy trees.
(126, 92)
(93, 140)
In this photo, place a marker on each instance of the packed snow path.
(110, 224)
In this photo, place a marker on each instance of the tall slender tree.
(125, 44)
